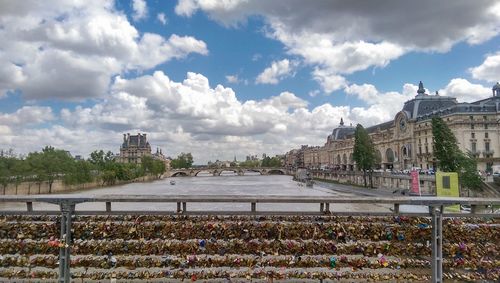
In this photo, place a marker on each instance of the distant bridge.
(192, 172)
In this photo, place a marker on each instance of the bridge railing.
(436, 211)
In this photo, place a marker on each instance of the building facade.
(134, 148)
(406, 141)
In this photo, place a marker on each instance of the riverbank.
(58, 186)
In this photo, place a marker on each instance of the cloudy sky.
(230, 78)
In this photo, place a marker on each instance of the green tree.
(469, 177)
(6, 168)
(50, 164)
(364, 153)
(184, 160)
(80, 173)
(445, 145)
(451, 159)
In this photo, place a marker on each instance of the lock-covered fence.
(258, 243)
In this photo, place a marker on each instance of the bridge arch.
(276, 172)
(179, 174)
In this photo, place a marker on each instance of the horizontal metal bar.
(251, 198)
(212, 212)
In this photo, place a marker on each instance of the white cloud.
(232, 79)
(27, 115)
(328, 80)
(162, 18)
(140, 10)
(381, 107)
(489, 70)
(339, 38)
(465, 91)
(314, 93)
(208, 121)
(277, 71)
(82, 43)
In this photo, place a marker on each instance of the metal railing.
(68, 203)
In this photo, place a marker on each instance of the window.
(472, 135)
(420, 152)
(485, 126)
(425, 140)
(473, 147)
(419, 141)
(426, 149)
(472, 126)
(484, 118)
(485, 135)
(471, 118)
(487, 146)
(446, 182)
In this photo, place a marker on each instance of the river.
(255, 185)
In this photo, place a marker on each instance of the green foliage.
(446, 149)
(364, 152)
(184, 160)
(271, 162)
(50, 164)
(7, 170)
(451, 159)
(100, 159)
(152, 166)
(80, 172)
(469, 177)
(250, 164)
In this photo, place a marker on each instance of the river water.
(254, 185)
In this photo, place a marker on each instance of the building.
(159, 156)
(134, 148)
(406, 141)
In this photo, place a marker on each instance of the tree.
(469, 177)
(6, 166)
(364, 153)
(184, 160)
(445, 145)
(50, 164)
(100, 159)
(80, 173)
(451, 159)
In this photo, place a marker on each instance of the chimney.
(138, 139)
(128, 139)
(124, 138)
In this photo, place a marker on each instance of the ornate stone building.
(406, 141)
(134, 148)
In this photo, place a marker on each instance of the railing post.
(184, 206)
(321, 207)
(178, 207)
(327, 208)
(254, 207)
(396, 208)
(67, 209)
(29, 206)
(437, 244)
(108, 206)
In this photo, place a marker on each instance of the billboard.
(415, 183)
(447, 186)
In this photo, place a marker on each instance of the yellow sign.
(447, 186)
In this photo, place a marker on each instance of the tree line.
(448, 155)
(52, 164)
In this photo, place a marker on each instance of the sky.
(230, 78)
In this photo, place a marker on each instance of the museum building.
(406, 141)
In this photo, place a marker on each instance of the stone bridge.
(192, 172)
